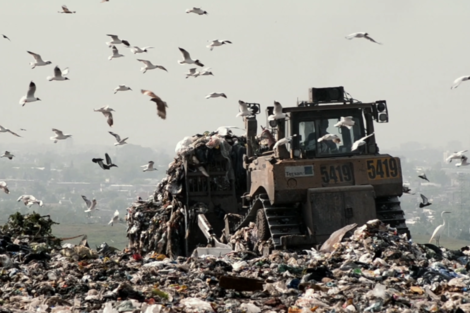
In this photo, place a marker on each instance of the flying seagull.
(407, 190)
(7, 155)
(206, 72)
(463, 161)
(423, 176)
(136, 49)
(192, 73)
(38, 60)
(216, 95)
(360, 142)
(119, 141)
(29, 200)
(115, 40)
(277, 112)
(59, 135)
(58, 74)
(6, 130)
(5, 37)
(188, 60)
(217, 43)
(121, 88)
(283, 141)
(149, 167)
(161, 105)
(115, 54)
(243, 109)
(126, 43)
(458, 81)
(150, 66)
(105, 166)
(30, 95)
(456, 155)
(91, 205)
(115, 218)
(4, 186)
(66, 10)
(424, 201)
(107, 113)
(361, 35)
(331, 137)
(345, 121)
(198, 11)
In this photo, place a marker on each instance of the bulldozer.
(302, 191)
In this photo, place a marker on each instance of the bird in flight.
(423, 176)
(345, 121)
(283, 141)
(115, 218)
(361, 35)
(107, 113)
(424, 201)
(91, 205)
(216, 95)
(136, 49)
(243, 107)
(30, 200)
(59, 135)
(7, 154)
(5, 37)
(4, 186)
(66, 10)
(187, 58)
(198, 11)
(456, 155)
(217, 43)
(360, 142)
(277, 112)
(149, 167)
(161, 105)
(30, 95)
(121, 88)
(6, 130)
(149, 66)
(104, 166)
(59, 75)
(38, 61)
(119, 141)
(116, 54)
(458, 81)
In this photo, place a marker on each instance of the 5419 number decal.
(384, 168)
(337, 173)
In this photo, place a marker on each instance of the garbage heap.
(158, 224)
(373, 270)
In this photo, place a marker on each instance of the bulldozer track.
(389, 211)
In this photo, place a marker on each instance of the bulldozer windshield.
(324, 134)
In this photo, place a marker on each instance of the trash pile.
(373, 270)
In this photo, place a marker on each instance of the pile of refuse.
(372, 270)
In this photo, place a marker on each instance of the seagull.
(283, 141)
(463, 161)
(66, 10)
(188, 60)
(331, 137)
(30, 200)
(115, 54)
(38, 60)
(59, 135)
(423, 176)
(5, 37)
(150, 66)
(216, 95)
(105, 166)
(119, 141)
(193, 73)
(22, 129)
(345, 121)
(217, 43)
(115, 218)
(206, 72)
(361, 35)
(198, 11)
(126, 43)
(121, 88)
(115, 40)
(455, 155)
(149, 167)
(30, 95)
(91, 205)
(360, 142)
(4, 186)
(458, 81)
(425, 202)
(107, 113)
(136, 49)
(161, 105)
(7, 155)
(6, 130)
(243, 109)
(277, 113)
(58, 74)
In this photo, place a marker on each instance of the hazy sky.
(279, 50)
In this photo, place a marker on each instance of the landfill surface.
(361, 268)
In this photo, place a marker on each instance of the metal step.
(282, 221)
(389, 211)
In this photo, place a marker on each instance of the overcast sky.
(279, 50)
